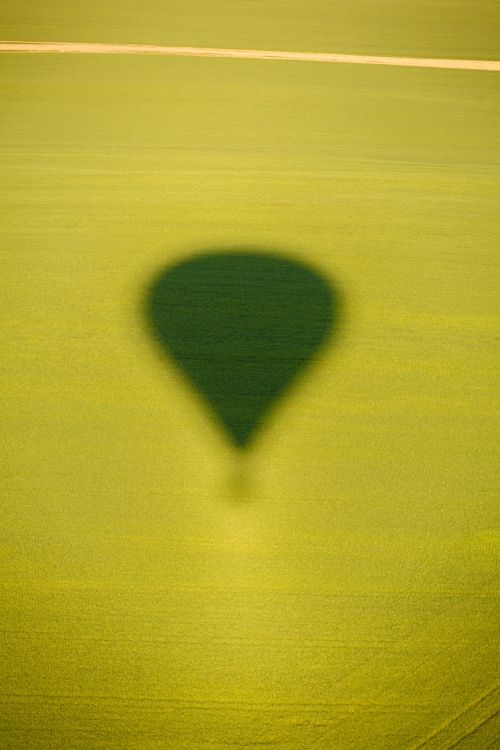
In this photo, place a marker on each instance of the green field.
(419, 28)
(345, 596)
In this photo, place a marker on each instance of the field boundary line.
(95, 48)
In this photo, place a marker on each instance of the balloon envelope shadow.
(241, 326)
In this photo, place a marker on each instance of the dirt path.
(147, 49)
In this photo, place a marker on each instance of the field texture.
(334, 585)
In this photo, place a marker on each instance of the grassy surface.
(345, 597)
(429, 28)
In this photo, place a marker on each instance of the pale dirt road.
(147, 49)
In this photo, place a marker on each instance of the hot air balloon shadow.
(241, 325)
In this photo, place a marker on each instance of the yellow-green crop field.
(343, 595)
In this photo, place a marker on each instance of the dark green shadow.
(241, 325)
